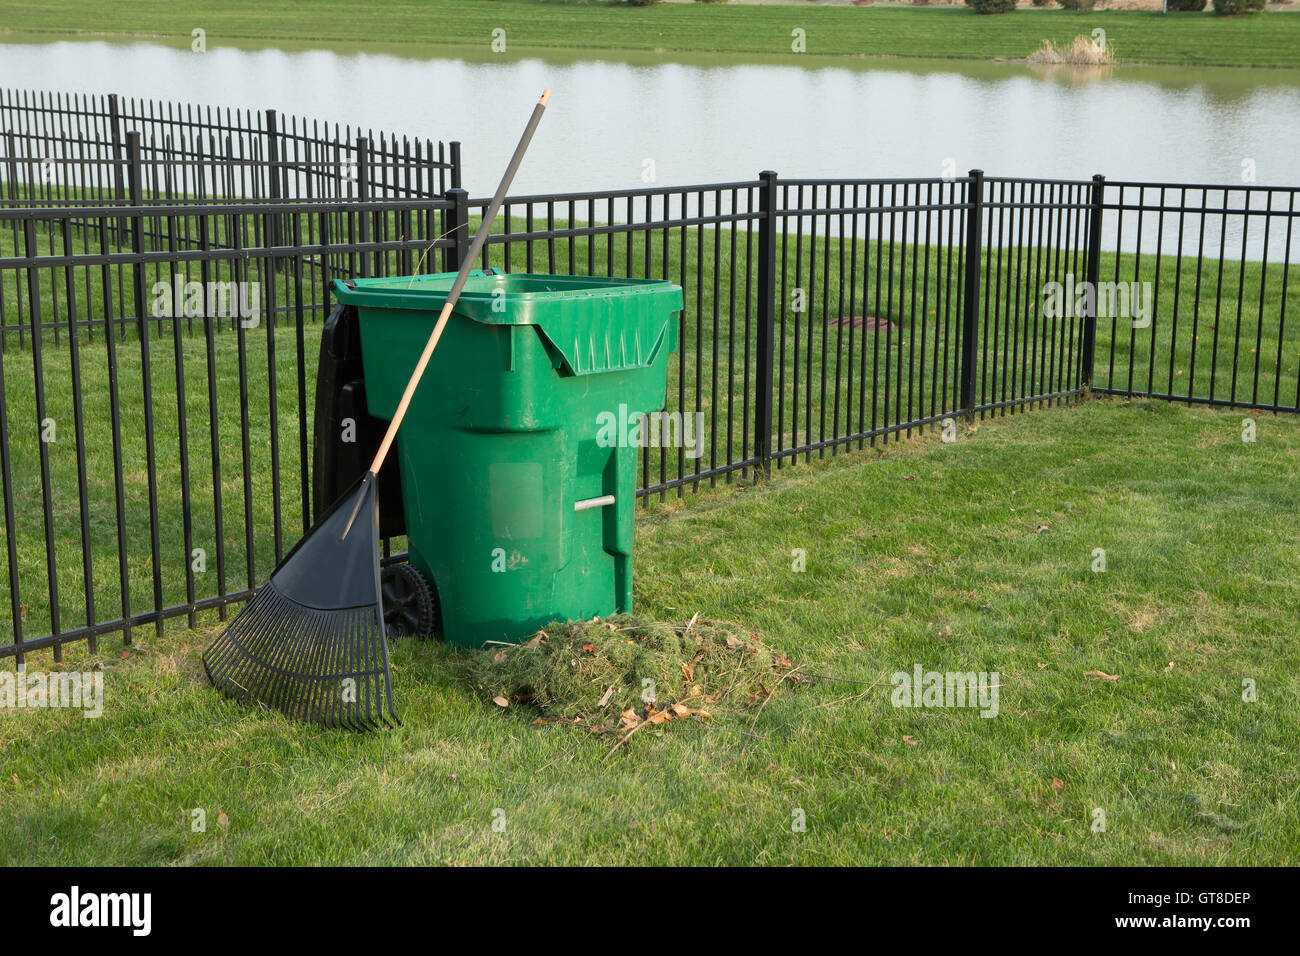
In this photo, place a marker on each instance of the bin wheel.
(408, 601)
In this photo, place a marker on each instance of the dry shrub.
(1082, 51)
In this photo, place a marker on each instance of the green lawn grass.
(1271, 39)
(974, 555)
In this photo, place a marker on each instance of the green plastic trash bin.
(518, 504)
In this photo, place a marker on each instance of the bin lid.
(591, 323)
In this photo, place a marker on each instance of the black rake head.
(311, 643)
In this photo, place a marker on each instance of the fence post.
(138, 278)
(1086, 360)
(767, 203)
(135, 198)
(456, 228)
(38, 392)
(455, 164)
(971, 290)
(363, 196)
(135, 186)
(11, 176)
(272, 129)
(119, 176)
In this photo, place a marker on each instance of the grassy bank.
(1271, 39)
(932, 554)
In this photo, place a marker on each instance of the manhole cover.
(868, 323)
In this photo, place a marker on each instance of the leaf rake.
(311, 642)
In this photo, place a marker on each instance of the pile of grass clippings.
(622, 672)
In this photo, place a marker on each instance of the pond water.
(707, 119)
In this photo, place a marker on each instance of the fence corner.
(767, 205)
(971, 290)
(1087, 357)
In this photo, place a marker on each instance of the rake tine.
(307, 712)
(306, 639)
(270, 656)
(227, 659)
(286, 687)
(376, 674)
(331, 687)
(336, 689)
(260, 639)
(261, 644)
(361, 661)
(378, 670)
(348, 708)
(322, 695)
(292, 703)
(357, 666)
(360, 664)
(351, 708)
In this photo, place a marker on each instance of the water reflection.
(699, 119)
(708, 119)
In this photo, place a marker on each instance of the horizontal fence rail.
(168, 447)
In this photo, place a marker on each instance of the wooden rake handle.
(474, 249)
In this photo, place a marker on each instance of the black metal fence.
(66, 148)
(824, 314)
(172, 466)
(154, 453)
(1216, 263)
